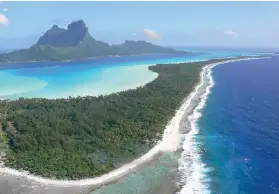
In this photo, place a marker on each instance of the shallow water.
(157, 178)
(88, 77)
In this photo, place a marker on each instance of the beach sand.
(14, 185)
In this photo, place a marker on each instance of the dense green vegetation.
(75, 42)
(89, 136)
(3, 142)
(3, 137)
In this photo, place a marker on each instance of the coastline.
(142, 72)
(169, 143)
(196, 180)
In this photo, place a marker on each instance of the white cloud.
(3, 19)
(151, 34)
(230, 33)
(6, 9)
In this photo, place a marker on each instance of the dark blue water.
(239, 128)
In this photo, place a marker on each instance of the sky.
(224, 24)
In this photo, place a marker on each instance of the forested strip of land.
(88, 136)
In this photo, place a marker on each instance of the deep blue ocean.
(239, 128)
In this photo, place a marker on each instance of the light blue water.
(88, 77)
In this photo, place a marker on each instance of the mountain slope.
(140, 47)
(75, 42)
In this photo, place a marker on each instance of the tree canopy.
(88, 136)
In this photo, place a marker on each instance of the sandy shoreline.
(169, 143)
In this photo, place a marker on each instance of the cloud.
(151, 34)
(3, 19)
(6, 9)
(230, 33)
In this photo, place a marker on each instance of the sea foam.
(190, 166)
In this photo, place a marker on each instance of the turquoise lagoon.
(91, 77)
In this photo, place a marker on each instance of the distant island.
(75, 42)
